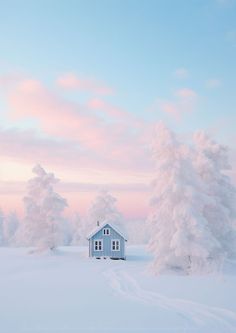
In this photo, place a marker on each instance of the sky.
(82, 83)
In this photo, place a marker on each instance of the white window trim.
(98, 240)
(105, 234)
(115, 240)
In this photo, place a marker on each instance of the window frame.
(94, 244)
(105, 233)
(119, 248)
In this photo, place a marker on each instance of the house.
(106, 241)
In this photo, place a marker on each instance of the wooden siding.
(107, 241)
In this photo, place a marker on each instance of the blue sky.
(169, 60)
(134, 46)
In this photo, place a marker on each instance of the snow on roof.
(98, 228)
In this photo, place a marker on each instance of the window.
(98, 245)
(115, 245)
(106, 231)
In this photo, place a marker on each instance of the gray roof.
(98, 228)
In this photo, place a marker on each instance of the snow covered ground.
(68, 292)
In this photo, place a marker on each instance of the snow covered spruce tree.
(103, 208)
(180, 236)
(211, 162)
(43, 209)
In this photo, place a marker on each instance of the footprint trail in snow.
(125, 285)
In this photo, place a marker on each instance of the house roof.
(98, 228)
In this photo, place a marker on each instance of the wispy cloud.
(29, 146)
(111, 110)
(182, 102)
(213, 83)
(56, 116)
(181, 73)
(7, 81)
(71, 81)
(170, 108)
(96, 134)
(186, 94)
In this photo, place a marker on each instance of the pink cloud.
(94, 137)
(181, 73)
(55, 116)
(70, 81)
(183, 102)
(28, 146)
(169, 108)
(109, 109)
(66, 159)
(186, 93)
(98, 104)
(9, 80)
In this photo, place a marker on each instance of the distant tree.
(103, 208)
(63, 232)
(78, 230)
(43, 208)
(11, 224)
(1, 228)
(180, 236)
(212, 163)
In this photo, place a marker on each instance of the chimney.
(97, 223)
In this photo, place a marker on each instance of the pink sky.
(88, 144)
(132, 204)
(80, 89)
(91, 143)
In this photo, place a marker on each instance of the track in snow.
(197, 314)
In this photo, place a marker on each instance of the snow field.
(69, 292)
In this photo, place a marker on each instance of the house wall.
(107, 250)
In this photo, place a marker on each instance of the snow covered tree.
(180, 235)
(103, 208)
(211, 162)
(78, 230)
(11, 224)
(63, 232)
(1, 228)
(75, 230)
(43, 208)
